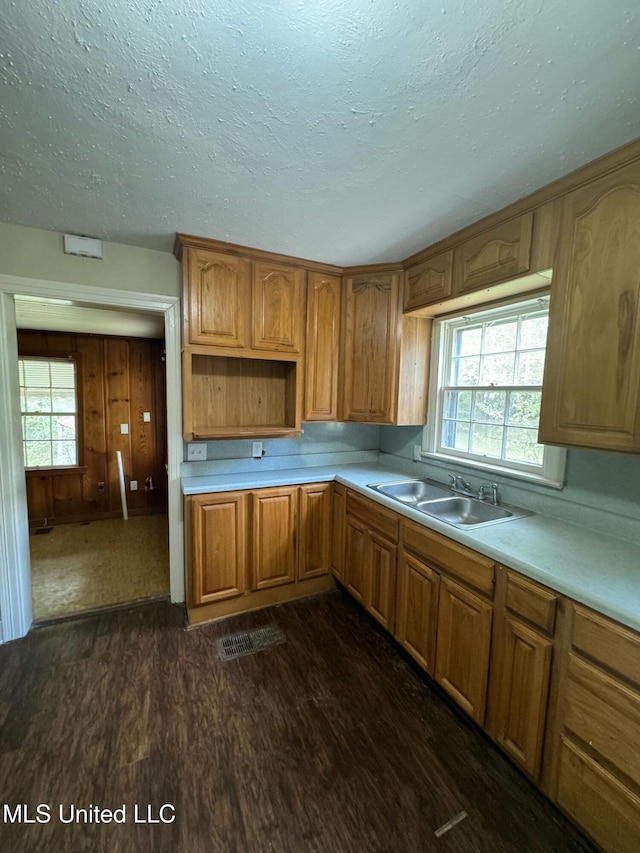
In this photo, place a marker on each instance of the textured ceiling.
(349, 132)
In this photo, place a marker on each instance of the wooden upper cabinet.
(591, 390)
(278, 307)
(273, 540)
(217, 536)
(314, 530)
(498, 254)
(323, 348)
(428, 281)
(218, 301)
(371, 348)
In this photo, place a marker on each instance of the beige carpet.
(80, 567)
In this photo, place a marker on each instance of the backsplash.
(602, 489)
(320, 444)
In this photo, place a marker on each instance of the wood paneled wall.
(118, 380)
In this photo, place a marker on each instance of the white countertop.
(597, 570)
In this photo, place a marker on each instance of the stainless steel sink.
(412, 491)
(437, 501)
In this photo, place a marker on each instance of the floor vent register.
(249, 642)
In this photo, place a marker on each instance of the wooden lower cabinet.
(381, 589)
(463, 647)
(523, 660)
(251, 549)
(370, 557)
(216, 543)
(338, 520)
(355, 558)
(417, 613)
(314, 530)
(274, 513)
(597, 775)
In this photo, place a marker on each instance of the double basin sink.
(439, 502)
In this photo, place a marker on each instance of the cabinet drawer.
(380, 519)
(531, 602)
(605, 714)
(605, 808)
(615, 647)
(469, 566)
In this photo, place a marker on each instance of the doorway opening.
(93, 415)
(16, 611)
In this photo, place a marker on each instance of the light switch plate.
(416, 453)
(133, 485)
(124, 429)
(197, 451)
(256, 449)
(146, 417)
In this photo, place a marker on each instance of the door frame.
(15, 569)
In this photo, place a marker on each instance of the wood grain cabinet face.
(417, 610)
(218, 299)
(274, 516)
(314, 534)
(218, 556)
(338, 521)
(278, 307)
(323, 348)
(463, 646)
(428, 281)
(355, 558)
(371, 348)
(591, 389)
(499, 254)
(381, 587)
(524, 660)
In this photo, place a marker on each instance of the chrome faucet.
(459, 486)
(495, 497)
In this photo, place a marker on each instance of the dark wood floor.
(330, 743)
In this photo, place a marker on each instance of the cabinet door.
(273, 540)
(524, 662)
(591, 390)
(278, 307)
(338, 520)
(217, 546)
(218, 299)
(314, 542)
(356, 574)
(381, 589)
(371, 346)
(323, 348)
(428, 282)
(417, 611)
(463, 646)
(495, 255)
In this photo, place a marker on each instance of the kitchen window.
(48, 401)
(487, 372)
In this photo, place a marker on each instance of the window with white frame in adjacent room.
(486, 387)
(48, 401)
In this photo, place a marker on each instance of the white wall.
(32, 253)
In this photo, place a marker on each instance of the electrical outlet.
(133, 485)
(417, 449)
(101, 487)
(256, 449)
(197, 452)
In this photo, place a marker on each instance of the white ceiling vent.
(86, 247)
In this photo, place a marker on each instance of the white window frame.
(550, 473)
(51, 414)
